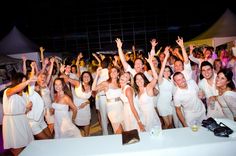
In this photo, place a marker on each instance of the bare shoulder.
(67, 98)
(105, 83)
(129, 89)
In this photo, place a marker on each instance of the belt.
(113, 100)
(14, 114)
(102, 95)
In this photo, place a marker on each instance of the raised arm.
(68, 79)
(121, 54)
(36, 69)
(44, 65)
(20, 86)
(97, 58)
(176, 53)
(101, 86)
(31, 86)
(167, 54)
(191, 57)
(32, 65)
(80, 55)
(116, 61)
(154, 44)
(24, 65)
(57, 66)
(42, 54)
(180, 42)
(134, 52)
(153, 82)
(49, 75)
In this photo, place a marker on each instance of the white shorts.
(37, 126)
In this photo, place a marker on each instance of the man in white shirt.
(208, 90)
(186, 96)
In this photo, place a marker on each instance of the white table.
(181, 141)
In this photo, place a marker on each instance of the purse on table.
(218, 129)
(130, 137)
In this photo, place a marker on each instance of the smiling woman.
(227, 94)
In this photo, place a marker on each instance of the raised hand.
(166, 51)
(133, 48)
(191, 47)
(41, 49)
(80, 55)
(52, 60)
(24, 58)
(118, 43)
(153, 42)
(180, 41)
(99, 70)
(33, 64)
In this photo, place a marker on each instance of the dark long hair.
(229, 76)
(82, 80)
(171, 71)
(146, 81)
(65, 88)
(17, 79)
(118, 71)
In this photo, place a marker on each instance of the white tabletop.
(181, 141)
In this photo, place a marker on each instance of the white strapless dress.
(64, 128)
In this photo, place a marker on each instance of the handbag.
(218, 129)
(210, 124)
(223, 130)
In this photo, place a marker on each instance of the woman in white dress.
(227, 94)
(165, 102)
(145, 94)
(112, 90)
(47, 99)
(36, 114)
(64, 124)
(131, 111)
(17, 133)
(82, 93)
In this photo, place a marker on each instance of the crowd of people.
(170, 89)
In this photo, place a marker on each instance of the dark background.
(74, 26)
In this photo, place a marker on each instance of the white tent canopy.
(221, 32)
(15, 44)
